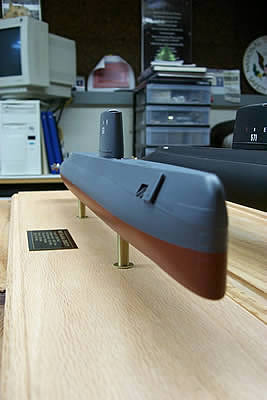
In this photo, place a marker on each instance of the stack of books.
(173, 69)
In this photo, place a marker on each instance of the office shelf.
(161, 135)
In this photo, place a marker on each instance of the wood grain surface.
(78, 328)
(247, 259)
(4, 226)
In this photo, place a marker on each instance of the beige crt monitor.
(33, 62)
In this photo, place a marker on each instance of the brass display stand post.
(122, 245)
(81, 210)
(122, 253)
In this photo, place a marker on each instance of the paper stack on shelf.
(173, 69)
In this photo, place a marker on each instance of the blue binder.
(48, 143)
(54, 137)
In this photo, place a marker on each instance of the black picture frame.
(166, 26)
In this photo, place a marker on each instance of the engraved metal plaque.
(55, 239)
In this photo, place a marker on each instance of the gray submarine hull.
(174, 215)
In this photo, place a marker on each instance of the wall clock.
(255, 64)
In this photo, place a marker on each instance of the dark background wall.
(221, 30)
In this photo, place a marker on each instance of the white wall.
(81, 127)
(220, 115)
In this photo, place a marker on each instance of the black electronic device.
(111, 134)
(242, 172)
(242, 169)
(250, 129)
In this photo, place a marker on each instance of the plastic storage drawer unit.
(142, 151)
(173, 135)
(175, 115)
(174, 94)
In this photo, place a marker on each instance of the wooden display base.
(4, 227)
(76, 327)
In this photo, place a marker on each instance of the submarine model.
(174, 215)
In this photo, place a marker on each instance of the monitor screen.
(10, 50)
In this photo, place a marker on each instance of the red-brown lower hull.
(202, 273)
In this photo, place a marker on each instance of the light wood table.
(247, 259)
(78, 328)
